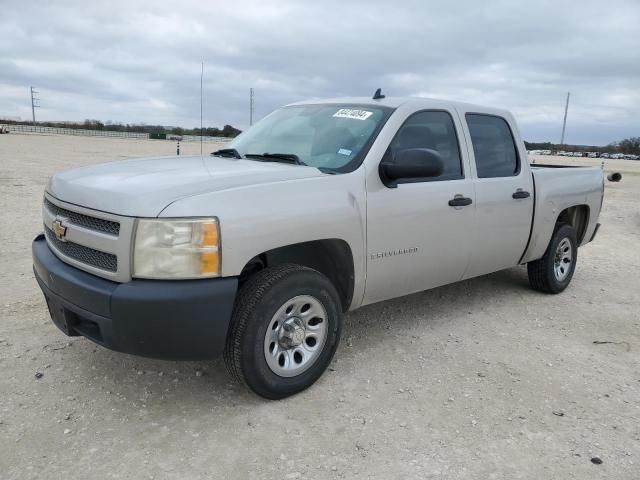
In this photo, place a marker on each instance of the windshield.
(333, 137)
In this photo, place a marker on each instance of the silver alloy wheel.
(563, 259)
(296, 336)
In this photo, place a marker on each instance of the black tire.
(542, 275)
(257, 302)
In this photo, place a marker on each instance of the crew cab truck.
(256, 251)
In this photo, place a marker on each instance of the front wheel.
(554, 271)
(285, 329)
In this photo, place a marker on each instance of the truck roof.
(395, 102)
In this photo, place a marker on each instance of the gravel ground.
(478, 380)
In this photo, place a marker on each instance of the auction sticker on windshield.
(355, 114)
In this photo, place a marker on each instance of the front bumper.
(178, 320)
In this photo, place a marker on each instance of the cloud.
(140, 61)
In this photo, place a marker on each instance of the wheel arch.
(547, 221)
(578, 217)
(331, 257)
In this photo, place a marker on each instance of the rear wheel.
(553, 272)
(285, 329)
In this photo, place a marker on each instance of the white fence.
(39, 130)
(196, 138)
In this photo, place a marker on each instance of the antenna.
(34, 99)
(250, 106)
(378, 95)
(564, 122)
(201, 77)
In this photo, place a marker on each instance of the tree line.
(226, 131)
(628, 146)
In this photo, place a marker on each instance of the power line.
(564, 122)
(34, 105)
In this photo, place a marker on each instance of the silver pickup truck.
(254, 252)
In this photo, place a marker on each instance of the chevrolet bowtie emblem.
(59, 230)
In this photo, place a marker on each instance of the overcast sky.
(139, 62)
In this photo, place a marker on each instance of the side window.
(434, 130)
(493, 146)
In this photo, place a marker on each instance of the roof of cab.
(395, 102)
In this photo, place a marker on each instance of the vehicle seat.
(414, 136)
(332, 140)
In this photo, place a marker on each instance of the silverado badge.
(59, 230)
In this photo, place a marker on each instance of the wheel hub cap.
(563, 259)
(292, 333)
(295, 336)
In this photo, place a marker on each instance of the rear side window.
(433, 130)
(493, 146)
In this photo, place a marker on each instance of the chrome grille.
(92, 240)
(86, 255)
(86, 221)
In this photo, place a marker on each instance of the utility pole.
(250, 106)
(34, 105)
(201, 102)
(564, 122)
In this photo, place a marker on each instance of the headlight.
(166, 249)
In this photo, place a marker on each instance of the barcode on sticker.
(350, 113)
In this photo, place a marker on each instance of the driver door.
(416, 240)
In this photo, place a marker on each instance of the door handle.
(460, 201)
(520, 194)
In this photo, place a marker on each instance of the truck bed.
(558, 187)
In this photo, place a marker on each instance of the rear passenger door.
(503, 193)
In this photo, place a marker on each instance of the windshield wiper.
(277, 157)
(227, 152)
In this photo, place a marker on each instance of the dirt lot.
(482, 379)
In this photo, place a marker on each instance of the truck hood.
(144, 187)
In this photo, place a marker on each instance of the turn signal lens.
(210, 234)
(209, 263)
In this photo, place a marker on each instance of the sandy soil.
(482, 379)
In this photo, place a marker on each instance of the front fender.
(258, 218)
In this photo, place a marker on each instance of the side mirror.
(411, 163)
